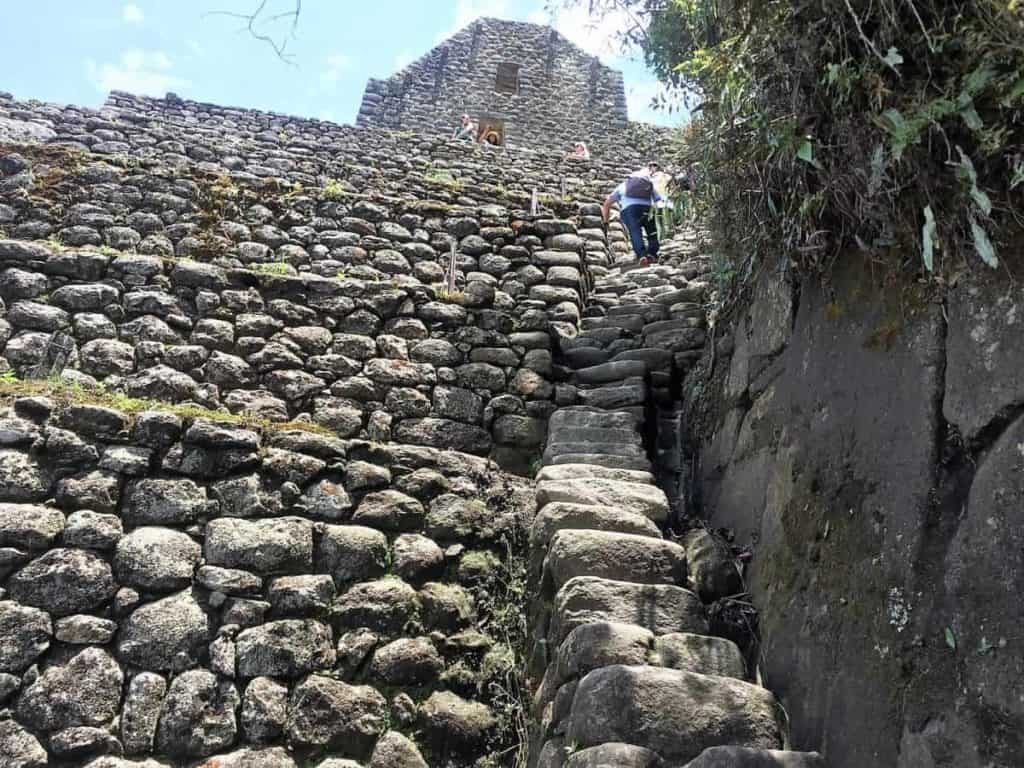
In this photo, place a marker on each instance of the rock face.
(84, 691)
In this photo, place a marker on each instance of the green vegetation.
(273, 268)
(65, 392)
(894, 129)
(333, 190)
(442, 177)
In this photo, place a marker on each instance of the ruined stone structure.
(527, 80)
(272, 493)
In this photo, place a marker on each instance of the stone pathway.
(632, 676)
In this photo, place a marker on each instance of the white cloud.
(597, 36)
(137, 71)
(404, 59)
(468, 11)
(337, 65)
(132, 14)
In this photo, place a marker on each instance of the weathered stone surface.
(713, 571)
(614, 755)
(157, 501)
(19, 748)
(198, 717)
(85, 690)
(394, 750)
(164, 635)
(157, 559)
(28, 526)
(446, 606)
(22, 478)
(271, 757)
(278, 545)
(264, 710)
(328, 713)
(390, 511)
(287, 648)
(141, 713)
(301, 596)
(653, 708)
(445, 434)
(637, 498)
(381, 606)
(64, 581)
(454, 722)
(415, 557)
(24, 636)
(351, 553)
(84, 630)
(745, 757)
(661, 608)
(453, 518)
(559, 516)
(327, 500)
(616, 556)
(407, 661)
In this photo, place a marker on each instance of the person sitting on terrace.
(580, 150)
(491, 137)
(466, 130)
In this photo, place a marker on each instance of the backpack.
(639, 186)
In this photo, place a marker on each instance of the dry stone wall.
(184, 586)
(226, 266)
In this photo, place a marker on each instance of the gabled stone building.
(528, 82)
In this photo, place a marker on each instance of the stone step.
(651, 312)
(561, 448)
(585, 357)
(745, 757)
(675, 713)
(643, 499)
(560, 516)
(604, 644)
(661, 608)
(656, 359)
(586, 416)
(613, 462)
(615, 397)
(632, 323)
(606, 373)
(590, 431)
(615, 556)
(579, 471)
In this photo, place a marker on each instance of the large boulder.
(287, 648)
(276, 545)
(156, 559)
(164, 635)
(745, 757)
(329, 714)
(661, 608)
(24, 636)
(159, 501)
(84, 690)
(655, 708)
(63, 582)
(198, 717)
(351, 553)
(19, 748)
(618, 556)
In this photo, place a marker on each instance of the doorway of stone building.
(493, 127)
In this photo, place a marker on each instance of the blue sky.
(75, 52)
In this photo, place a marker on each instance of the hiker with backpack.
(636, 197)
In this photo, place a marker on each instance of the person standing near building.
(636, 197)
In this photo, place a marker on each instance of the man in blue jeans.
(636, 197)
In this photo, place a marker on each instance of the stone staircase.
(631, 675)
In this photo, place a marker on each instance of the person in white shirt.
(636, 197)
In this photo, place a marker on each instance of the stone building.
(529, 83)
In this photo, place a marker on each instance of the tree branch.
(255, 20)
